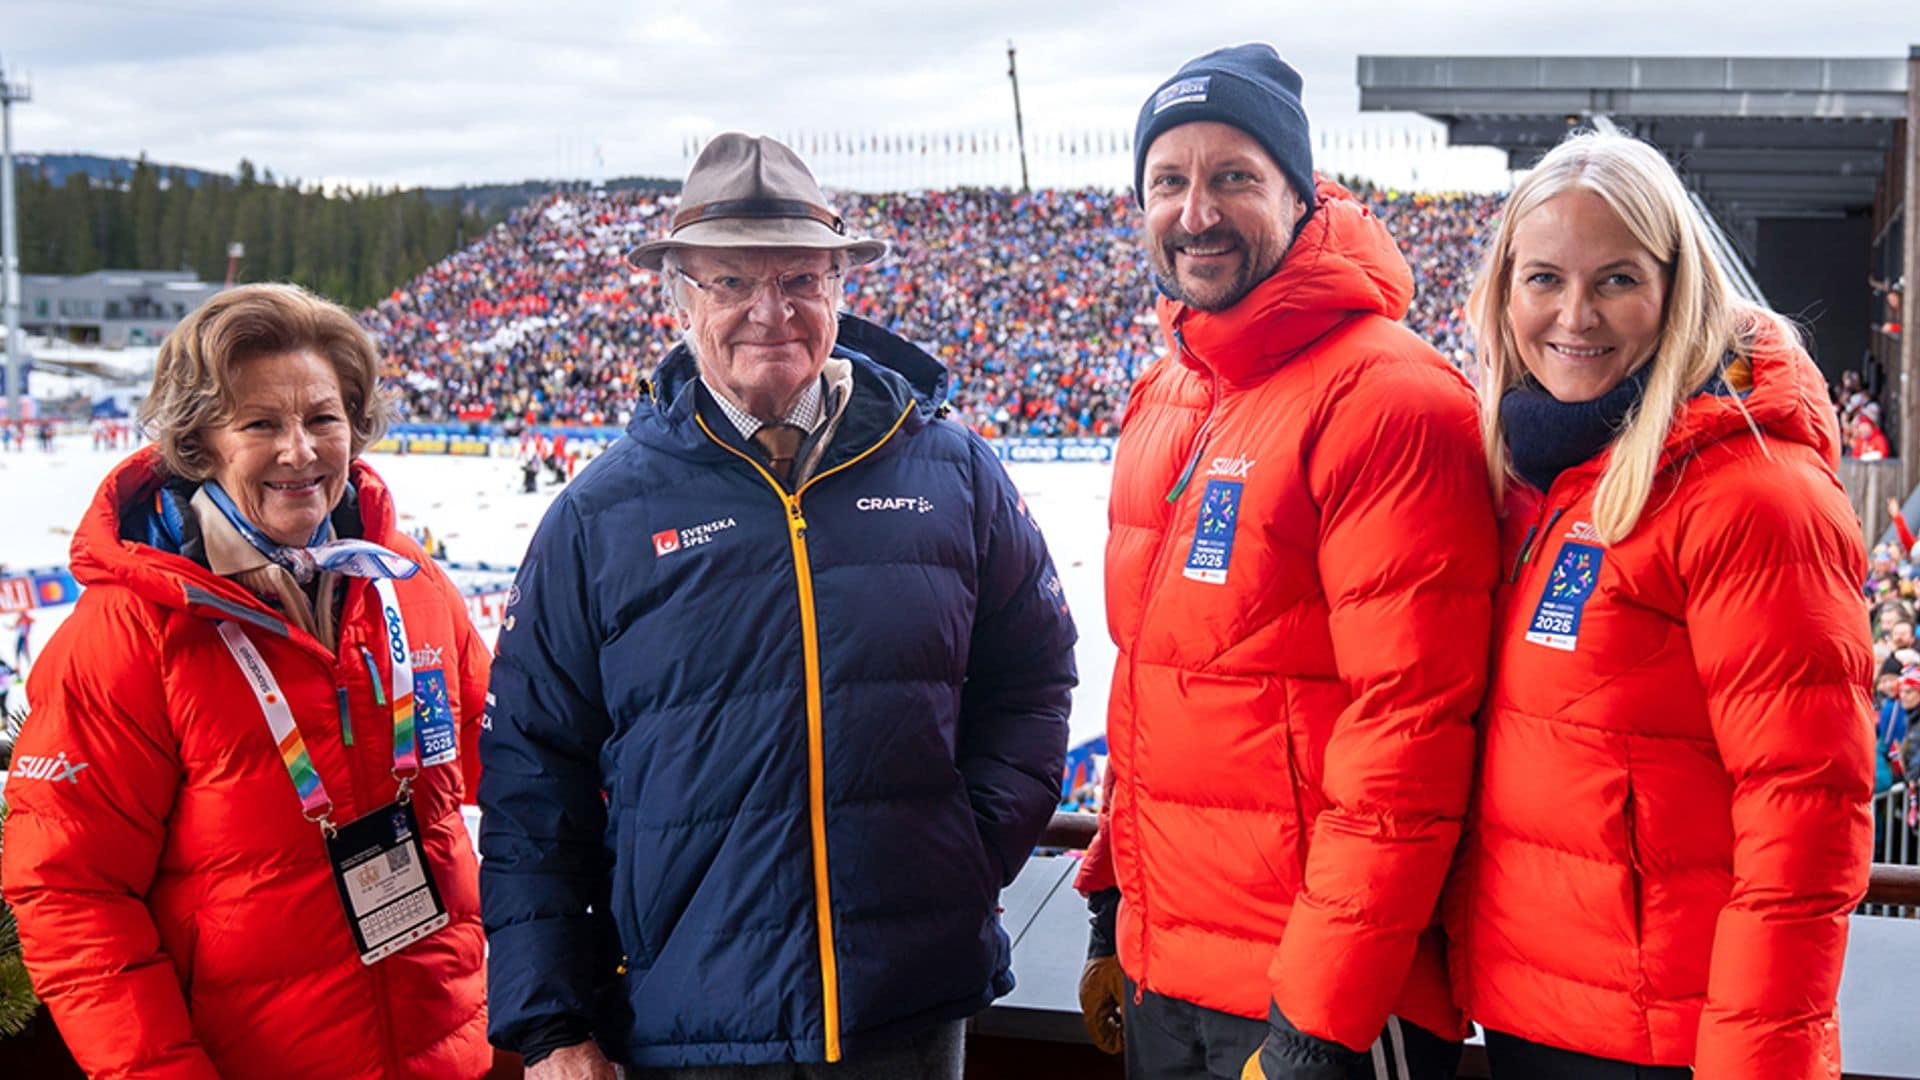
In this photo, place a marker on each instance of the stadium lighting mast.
(1019, 124)
(1909, 445)
(11, 92)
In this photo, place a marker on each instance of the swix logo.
(900, 502)
(1234, 468)
(426, 656)
(52, 769)
(1583, 531)
(668, 541)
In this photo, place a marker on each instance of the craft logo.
(1181, 93)
(903, 502)
(1233, 468)
(668, 541)
(1582, 530)
(52, 769)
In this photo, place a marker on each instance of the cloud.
(450, 91)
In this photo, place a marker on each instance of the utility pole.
(11, 92)
(1019, 124)
(1910, 296)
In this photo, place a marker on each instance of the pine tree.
(17, 1001)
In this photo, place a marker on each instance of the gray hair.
(193, 376)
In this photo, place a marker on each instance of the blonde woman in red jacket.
(235, 844)
(1670, 822)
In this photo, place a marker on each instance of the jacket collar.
(887, 377)
(100, 554)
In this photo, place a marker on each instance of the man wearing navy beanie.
(1299, 505)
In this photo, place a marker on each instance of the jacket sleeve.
(544, 874)
(1096, 870)
(1407, 555)
(1012, 741)
(83, 842)
(1779, 636)
(476, 666)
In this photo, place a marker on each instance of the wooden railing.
(1888, 885)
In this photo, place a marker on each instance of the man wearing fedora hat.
(1299, 507)
(780, 704)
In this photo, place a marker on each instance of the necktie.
(781, 442)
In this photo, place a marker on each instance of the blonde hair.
(1701, 319)
(193, 377)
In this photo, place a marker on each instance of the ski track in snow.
(475, 506)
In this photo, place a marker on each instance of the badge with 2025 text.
(1556, 619)
(1212, 550)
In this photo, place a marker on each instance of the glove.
(1292, 1054)
(1103, 986)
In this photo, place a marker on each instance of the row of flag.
(813, 144)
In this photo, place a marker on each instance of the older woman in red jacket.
(246, 855)
(1671, 816)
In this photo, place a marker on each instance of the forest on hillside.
(354, 246)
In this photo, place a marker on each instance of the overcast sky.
(450, 91)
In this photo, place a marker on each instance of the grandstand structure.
(1810, 166)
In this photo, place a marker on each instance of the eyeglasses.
(732, 290)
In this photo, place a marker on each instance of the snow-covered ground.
(475, 506)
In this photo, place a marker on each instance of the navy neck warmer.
(1547, 436)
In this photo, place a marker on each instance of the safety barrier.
(1893, 887)
(1896, 844)
(45, 586)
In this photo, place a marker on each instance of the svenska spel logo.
(666, 542)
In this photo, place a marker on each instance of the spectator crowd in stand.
(1040, 305)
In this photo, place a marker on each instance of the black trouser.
(1510, 1057)
(1171, 1039)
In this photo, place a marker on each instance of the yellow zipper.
(816, 724)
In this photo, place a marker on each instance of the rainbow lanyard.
(315, 806)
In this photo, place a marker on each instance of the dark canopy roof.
(1756, 137)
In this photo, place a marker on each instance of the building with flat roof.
(114, 308)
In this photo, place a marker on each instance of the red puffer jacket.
(1671, 819)
(1302, 627)
(177, 912)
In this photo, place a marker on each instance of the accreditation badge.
(433, 718)
(381, 871)
(1212, 550)
(1556, 619)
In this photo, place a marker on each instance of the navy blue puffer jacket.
(758, 763)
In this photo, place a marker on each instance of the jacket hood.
(900, 371)
(1343, 263)
(101, 555)
(1784, 393)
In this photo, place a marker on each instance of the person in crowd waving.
(235, 845)
(780, 703)
(1671, 816)
(1299, 508)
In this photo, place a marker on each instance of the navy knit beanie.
(1247, 86)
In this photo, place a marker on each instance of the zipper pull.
(373, 673)
(1520, 557)
(346, 720)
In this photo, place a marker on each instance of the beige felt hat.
(750, 191)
